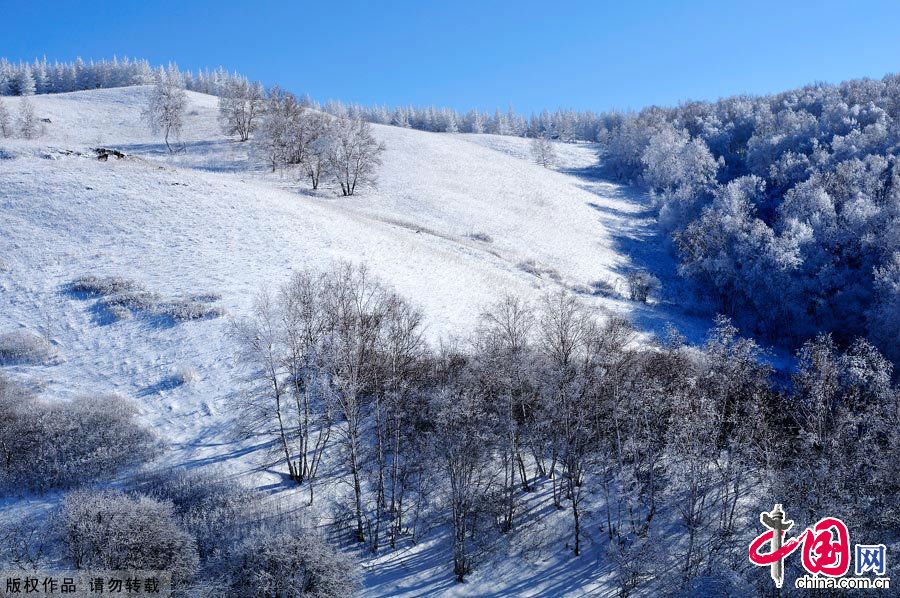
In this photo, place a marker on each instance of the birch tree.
(355, 310)
(264, 405)
(565, 331)
(463, 441)
(240, 106)
(166, 106)
(303, 322)
(353, 154)
(505, 361)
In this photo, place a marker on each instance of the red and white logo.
(825, 550)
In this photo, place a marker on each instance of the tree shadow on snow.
(430, 566)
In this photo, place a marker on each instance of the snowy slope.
(213, 220)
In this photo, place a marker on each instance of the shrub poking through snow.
(107, 530)
(121, 298)
(122, 305)
(541, 271)
(582, 289)
(641, 285)
(59, 444)
(210, 506)
(26, 348)
(288, 563)
(101, 286)
(182, 310)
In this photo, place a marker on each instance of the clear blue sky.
(585, 55)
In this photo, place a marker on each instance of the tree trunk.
(357, 489)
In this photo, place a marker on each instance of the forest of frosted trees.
(784, 209)
(40, 76)
(653, 456)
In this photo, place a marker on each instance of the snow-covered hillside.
(455, 222)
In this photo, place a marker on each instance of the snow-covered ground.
(455, 222)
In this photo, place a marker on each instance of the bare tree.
(264, 406)
(399, 350)
(505, 361)
(166, 106)
(464, 442)
(303, 326)
(315, 154)
(565, 339)
(353, 154)
(355, 310)
(240, 106)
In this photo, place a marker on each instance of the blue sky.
(585, 55)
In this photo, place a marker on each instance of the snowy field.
(455, 222)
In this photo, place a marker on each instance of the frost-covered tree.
(355, 304)
(307, 128)
(265, 404)
(6, 124)
(286, 562)
(543, 152)
(353, 154)
(273, 141)
(822, 220)
(240, 105)
(884, 320)
(400, 117)
(735, 254)
(24, 82)
(60, 444)
(316, 163)
(565, 338)
(303, 323)
(474, 122)
(450, 122)
(722, 437)
(111, 531)
(498, 124)
(463, 443)
(504, 369)
(844, 407)
(166, 105)
(26, 121)
(210, 506)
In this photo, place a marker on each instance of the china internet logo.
(825, 554)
